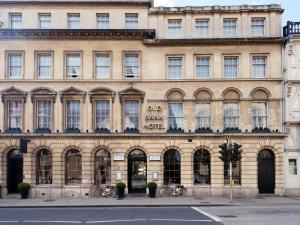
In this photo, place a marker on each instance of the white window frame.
(73, 20)
(131, 20)
(170, 66)
(67, 66)
(231, 70)
(127, 65)
(18, 22)
(180, 117)
(45, 114)
(256, 116)
(256, 66)
(174, 28)
(230, 27)
(45, 18)
(200, 67)
(14, 112)
(100, 116)
(38, 66)
(102, 20)
(234, 118)
(102, 66)
(202, 27)
(258, 29)
(293, 169)
(76, 116)
(136, 124)
(10, 67)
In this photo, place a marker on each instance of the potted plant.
(24, 190)
(120, 189)
(152, 189)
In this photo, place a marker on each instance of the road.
(114, 216)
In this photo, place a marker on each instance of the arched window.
(236, 173)
(259, 110)
(231, 110)
(44, 167)
(175, 110)
(102, 167)
(203, 110)
(172, 167)
(201, 167)
(73, 167)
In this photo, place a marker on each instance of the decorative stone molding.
(102, 92)
(132, 93)
(43, 92)
(13, 92)
(70, 92)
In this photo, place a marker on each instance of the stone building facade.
(110, 91)
(292, 106)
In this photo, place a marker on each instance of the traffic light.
(237, 151)
(23, 145)
(223, 152)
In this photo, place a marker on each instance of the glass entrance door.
(137, 172)
(14, 170)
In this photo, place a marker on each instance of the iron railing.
(291, 28)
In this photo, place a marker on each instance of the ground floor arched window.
(102, 167)
(172, 167)
(73, 167)
(236, 173)
(44, 167)
(201, 167)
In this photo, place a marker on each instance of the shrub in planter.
(24, 190)
(152, 189)
(120, 189)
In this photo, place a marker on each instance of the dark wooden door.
(14, 170)
(266, 172)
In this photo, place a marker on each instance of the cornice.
(76, 34)
(214, 41)
(141, 136)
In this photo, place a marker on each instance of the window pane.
(73, 167)
(293, 166)
(44, 114)
(73, 21)
(15, 21)
(259, 66)
(202, 28)
(102, 167)
(45, 21)
(202, 167)
(102, 114)
(172, 168)
(73, 65)
(203, 115)
(102, 65)
(44, 167)
(15, 114)
(236, 173)
(229, 27)
(73, 114)
(174, 28)
(44, 65)
(15, 65)
(103, 21)
(258, 27)
(175, 115)
(202, 67)
(174, 67)
(259, 115)
(131, 114)
(131, 21)
(131, 65)
(231, 115)
(230, 67)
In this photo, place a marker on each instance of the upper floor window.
(231, 67)
(73, 64)
(174, 67)
(72, 115)
(131, 20)
(45, 21)
(44, 65)
(175, 115)
(229, 27)
(258, 27)
(43, 114)
(14, 114)
(102, 111)
(102, 65)
(259, 115)
(202, 28)
(174, 28)
(259, 64)
(203, 115)
(103, 21)
(15, 20)
(131, 65)
(74, 21)
(293, 167)
(202, 67)
(131, 114)
(231, 115)
(15, 64)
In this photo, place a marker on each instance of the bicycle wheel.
(164, 191)
(92, 191)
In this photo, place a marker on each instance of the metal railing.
(291, 28)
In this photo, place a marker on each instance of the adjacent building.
(291, 69)
(115, 90)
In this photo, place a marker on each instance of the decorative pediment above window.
(14, 93)
(43, 92)
(203, 94)
(260, 94)
(131, 93)
(102, 92)
(72, 92)
(232, 94)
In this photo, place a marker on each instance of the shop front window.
(172, 168)
(102, 167)
(44, 167)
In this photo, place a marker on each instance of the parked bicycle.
(172, 191)
(97, 191)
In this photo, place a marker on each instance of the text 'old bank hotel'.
(116, 90)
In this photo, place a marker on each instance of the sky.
(291, 7)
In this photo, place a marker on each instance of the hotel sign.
(153, 117)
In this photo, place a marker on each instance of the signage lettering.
(153, 118)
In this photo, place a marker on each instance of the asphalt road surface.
(114, 216)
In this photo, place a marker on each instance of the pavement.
(16, 202)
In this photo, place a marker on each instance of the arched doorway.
(137, 171)
(266, 171)
(14, 170)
